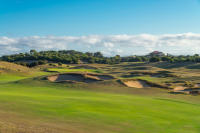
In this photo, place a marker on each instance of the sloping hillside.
(13, 72)
(11, 67)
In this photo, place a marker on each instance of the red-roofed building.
(157, 53)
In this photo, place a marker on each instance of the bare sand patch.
(136, 84)
(179, 88)
(159, 74)
(197, 85)
(78, 77)
(139, 83)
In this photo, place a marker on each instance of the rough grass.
(6, 66)
(63, 70)
(152, 79)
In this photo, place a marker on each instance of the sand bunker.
(77, 77)
(179, 88)
(136, 84)
(185, 90)
(160, 74)
(197, 85)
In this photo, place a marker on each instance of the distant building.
(156, 53)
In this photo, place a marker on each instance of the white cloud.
(108, 44)
(6, 41)
(187, 43)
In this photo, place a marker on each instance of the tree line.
(34, 58)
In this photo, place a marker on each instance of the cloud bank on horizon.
(109, 45)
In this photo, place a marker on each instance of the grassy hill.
(13, 72)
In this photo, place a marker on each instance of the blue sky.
(109, 26)
(86, 17)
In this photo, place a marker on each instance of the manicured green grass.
(62, 70)
(10, 77)
(94, 111)
(38, 106)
